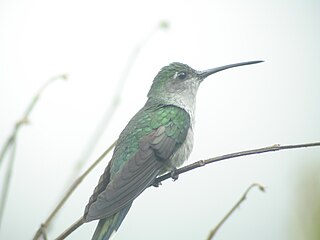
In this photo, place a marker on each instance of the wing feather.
(116, 190)
(134, 177)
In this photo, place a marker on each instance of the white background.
(241, 108)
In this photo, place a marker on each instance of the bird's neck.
(188, 104)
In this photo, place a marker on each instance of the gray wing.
(135, 176)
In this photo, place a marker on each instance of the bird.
(158, 139)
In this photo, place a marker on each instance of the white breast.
(182, 154)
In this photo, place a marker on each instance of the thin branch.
(192, 166)
(11, 141)
(25, 117)
(36, 98)
(5, 147)
(41, 232)
(201, 163)
(7, 180)
(244, 196)
(12, 138)
(73, 227)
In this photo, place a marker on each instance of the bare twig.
(7, 179)
(25, 118)
(201, 163)
(73, 227)
(244, 196)
(11, 141)
(6, 146)
(42, 230)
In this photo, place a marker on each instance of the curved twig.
(202, 163)
(41, 232)
(243, 197)
(11, 141)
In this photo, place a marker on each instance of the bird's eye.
(182, 75)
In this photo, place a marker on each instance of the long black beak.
(206, 73)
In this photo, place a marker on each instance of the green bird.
(158, 139)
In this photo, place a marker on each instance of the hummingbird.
(158, 139)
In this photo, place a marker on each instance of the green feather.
(174, 119)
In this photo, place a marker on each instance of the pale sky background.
(238, 109)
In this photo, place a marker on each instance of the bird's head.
(178, 83)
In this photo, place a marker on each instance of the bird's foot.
(156, 184)
(174, 175)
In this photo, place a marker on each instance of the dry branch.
(201, 163)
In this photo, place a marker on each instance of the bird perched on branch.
(158, 139)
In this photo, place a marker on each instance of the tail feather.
(108, 226)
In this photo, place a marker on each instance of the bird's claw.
(156, 184)
(174, 175)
